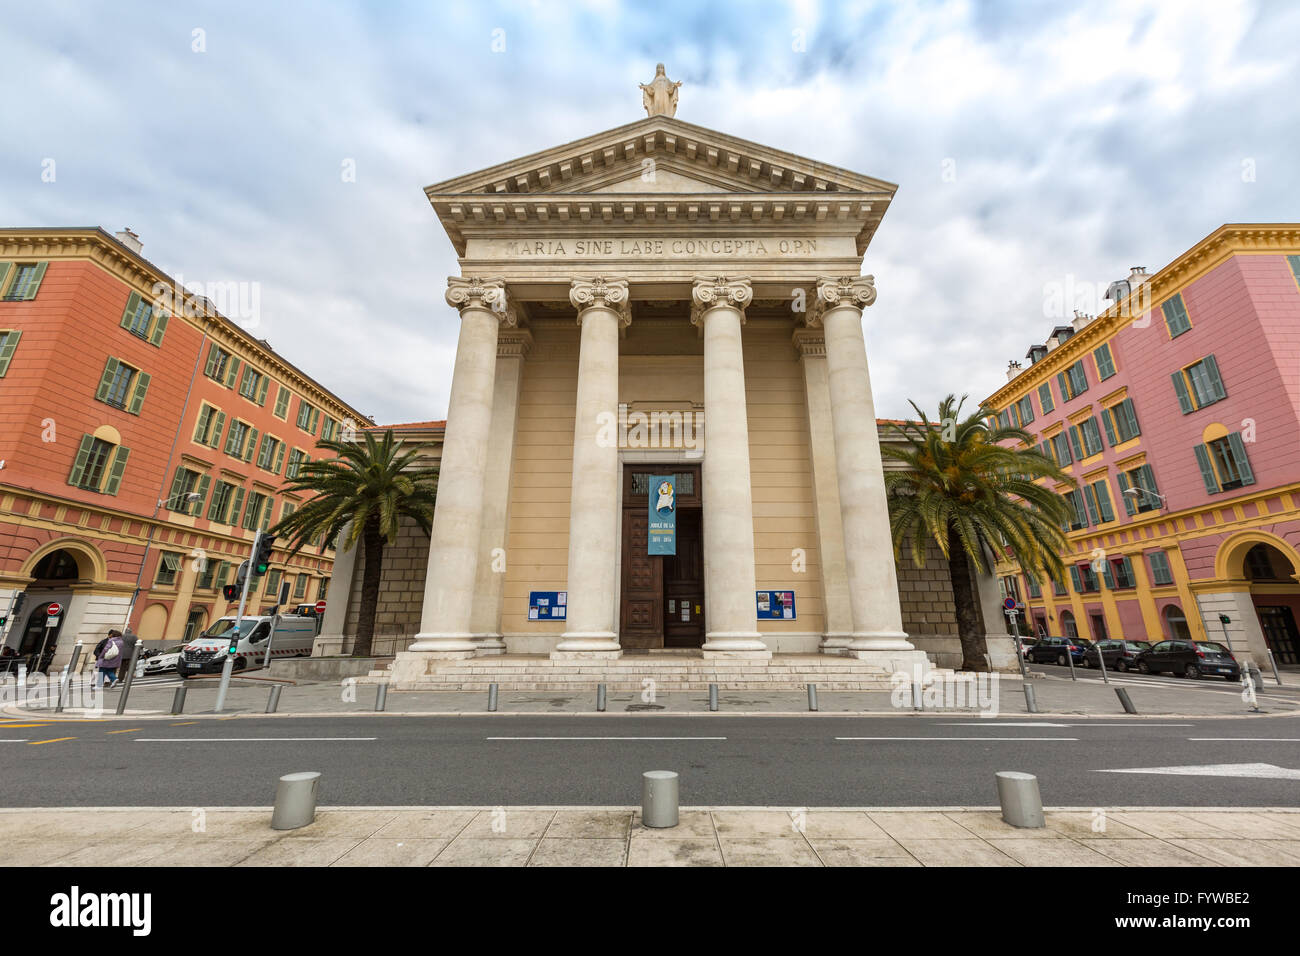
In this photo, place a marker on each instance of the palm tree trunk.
(970, 629)
(372, 543)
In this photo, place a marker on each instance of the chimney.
(1137, 275)
(1081, 319)
(1013, 369)
(129, 239)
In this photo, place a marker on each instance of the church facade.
(660, 431)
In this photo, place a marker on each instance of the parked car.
(1052, 650)
(161, 662)
(1118, 654)
(1026, 644)
(1190, 659)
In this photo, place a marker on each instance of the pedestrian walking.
(107, 658)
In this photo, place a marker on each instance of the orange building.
(144, 438)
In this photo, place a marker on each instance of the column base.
(836, 642)
(916, 664)
(444, 645)
(879, 641)
(411, 667)
(591, 645)
(744, 645)
(489, 645)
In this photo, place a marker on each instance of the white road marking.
(1263, 771)
(604, 738)
(960, 738)
(1280, 740)
(13, 740)
(205, 740)
(1026, 723)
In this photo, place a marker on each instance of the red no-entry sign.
(320, 607)
(53, 609)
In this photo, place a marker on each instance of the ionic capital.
(472, 292)
(856, 291)
(603, 293)
(715, 291)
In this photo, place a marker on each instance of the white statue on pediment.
(660, 94)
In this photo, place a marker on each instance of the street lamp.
(1143, 492)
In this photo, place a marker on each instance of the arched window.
(1068, 627)
(1176, 624)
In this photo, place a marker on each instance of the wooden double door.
(662, 596)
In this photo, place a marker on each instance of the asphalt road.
(817, 760)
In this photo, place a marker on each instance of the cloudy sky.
(1036, 145)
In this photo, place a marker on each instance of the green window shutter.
(201, 426)
(141, 389)
(235, 506)
(217, 425)
(1213, 378)
(1103, 502)
(251, 446)
(1176, 320)
(1075, 579)
(1090, 499)
(1110, 428)
(115, 473)
(1207, 469)
(35, 284)
(4, 274)
(1184, 396)
(1062, 445)
(9, 342)
(106, 380)
(243, 381)
(132, 303)
(1065, 387)
(210, 365)
(202, 489)
(1128, 570)
(266, 514)
(1075, 443)
(1045, 397)
(1146, 480)
(1107, 576)
(281, 402)
(1160, 573)
(232, 372)
(230, 439)
(315, 419)
(1078, 378)
(1130, 417)
(173, 502)
(262, 389)
(1130, 507)
(1239, 457)
(159, 327)
(1105, 364)
(212, 512)
(279, 458)
(79, 463)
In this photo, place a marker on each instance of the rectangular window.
(1024, 407)
(115, 384)
(184, 484)
(1004, 418)
(288, 509)
(1098, 627)
(1198, 385)
(271, 452)
(1160, 573)
(236, 438)
(1122, 573)
(253, 512)
(218, 365)
(1088, 578)
(1121, 422)
(1080, 518)
(1045, 397)
(1058, 588)
(26, 280)
(1294, 262)
(1176, 320)
(8, 345)
(1224, 465)
(308, 417)
(273, 583)
(330, 427)
(1138, 489)
(1061, 449)
(219, 509)
(169, 566)
(92, 460)
(138, 315)
(1073, 381)
(207, 430)
(1097, 497)
(1090, 435)
(297, 459)
(1032, 586)
(324, 587)
(300, 587)
(282, 402)
(1105, 363)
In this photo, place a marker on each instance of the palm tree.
(363, 493)
(968, 491)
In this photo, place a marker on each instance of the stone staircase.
(670, 672)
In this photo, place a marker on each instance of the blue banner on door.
(775, 605)
(548, 605)
(663, 515)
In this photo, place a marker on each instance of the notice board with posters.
(548, 605)
(775, 605)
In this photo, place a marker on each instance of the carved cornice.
(809, 343)
(472, 292)
(712, 292)
(599, 292)
(855, 291)
(514, 342)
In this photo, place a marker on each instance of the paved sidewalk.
(1056, 696)
(538, 836)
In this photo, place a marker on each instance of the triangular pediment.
(635, 171)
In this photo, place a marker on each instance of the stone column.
(718, 306)
(868, 549)
(489, 587)
(592, 619)
(457, 520)
(811, 344)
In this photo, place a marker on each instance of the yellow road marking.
(185, 723)
(34, 743)
(16, 726)
(129, 730)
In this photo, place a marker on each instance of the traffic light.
(230, 591)
(262, 555)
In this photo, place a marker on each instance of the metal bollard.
(66, 682)
(1030, 704)
(1123, 699)
(273, 702)
(812, 696)
(492, 698)
(713, 697)
(600, 698)
(1022, 805)
(659, 798)
(381, 697)
(295, 800)
(130, 678)
(178, 700)
(1273, 662)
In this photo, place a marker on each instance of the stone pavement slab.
(614, 836)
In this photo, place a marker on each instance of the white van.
(288, 635)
